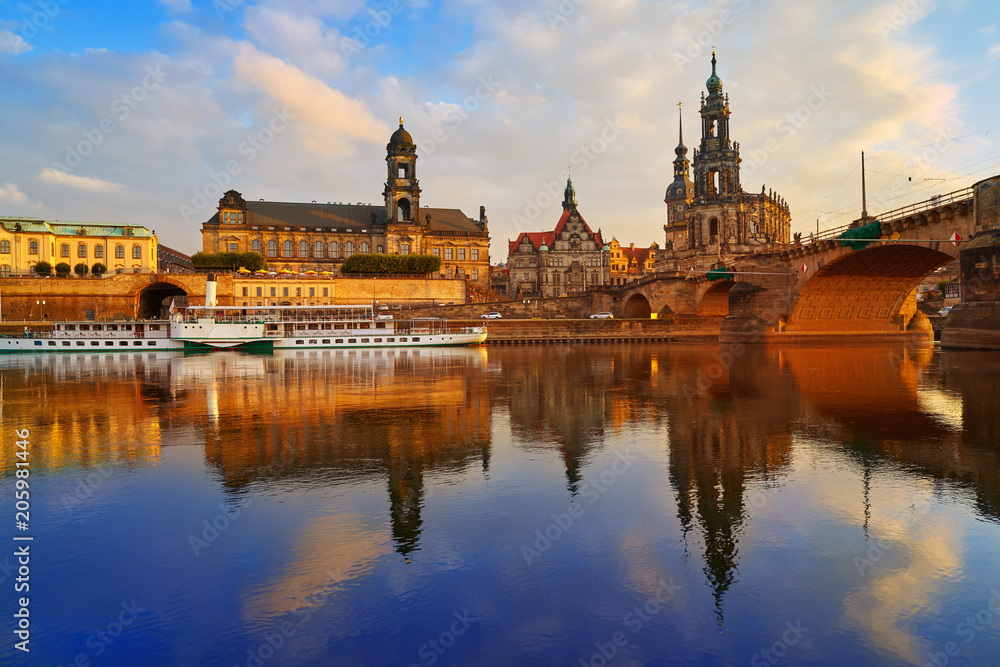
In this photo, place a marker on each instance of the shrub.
(62, 269)
(380, 263)
(43, 269)
(252, 261)
(98, 269)
(81, 269)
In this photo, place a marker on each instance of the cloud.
(333, 122)
(10, 192)
(993, 53)
(56, 177)
(12, 44)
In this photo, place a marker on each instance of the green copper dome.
(714, 83)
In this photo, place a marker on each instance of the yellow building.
(121, 248)
(301, 236)
(631, 263)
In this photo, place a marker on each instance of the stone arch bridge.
(841, 291)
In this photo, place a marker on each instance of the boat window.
(326, 341)
(95, 343)
(38, 342)
(378, 340)
(84, 327)
(70, 327)
(390, 340)
(97, 327)
(80, 343)
(300, 342)
(138, 342)
(364, 340)
(152, 342)
(402, 340)
(124, 343)
(154, 327)
(128, 327)
(352, 340)
(112, 327)
(415, 339)
(312, 342)
(52, 343)
(110, 344)
(339, 341)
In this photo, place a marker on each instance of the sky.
(145, 112)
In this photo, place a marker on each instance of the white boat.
(90, 336)
(303, 327)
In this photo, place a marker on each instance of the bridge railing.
(937, 201)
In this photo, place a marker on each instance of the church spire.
(682, 189)
(569, 195)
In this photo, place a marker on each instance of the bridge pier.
(975, 322)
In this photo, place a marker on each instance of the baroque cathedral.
(713, 218)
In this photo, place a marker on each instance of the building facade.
(319, 237)
(570, 258)
(712, 218)
(631, 263)
(121, 248)
(169, 260)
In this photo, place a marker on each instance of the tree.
(380, 263)
(941, 284)
(252, 261)
(81, 269)
(62, 269)
(98, 269)
(43, 269)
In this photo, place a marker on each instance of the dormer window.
(232, 217)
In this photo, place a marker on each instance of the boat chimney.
(211, 289)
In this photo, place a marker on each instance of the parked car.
(602, 316)
(383, 307)
(944, 311)
(383, 317)
(491, 316)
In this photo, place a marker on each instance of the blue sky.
(294, 100)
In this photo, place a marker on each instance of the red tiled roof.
(549, 237)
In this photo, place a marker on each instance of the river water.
(561, 505)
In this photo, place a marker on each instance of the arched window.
(318, 250)
(64, 250)
(348, 249)
(403, 209)
(99, 252)
(5, 247)
(255, 245)
(272, 248)
(33, 247)
(303, 249)
(5, 270)
(334, 250)
(364, 247)
(713, 227)
(119, 252)
(81, 251)
(288, 249)
(137, 252)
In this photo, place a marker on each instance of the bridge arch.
(864, 291)
(714, 300)
(637, 306)
(153, 300)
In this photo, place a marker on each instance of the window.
(5, 270)
(33, 247)
(137, 252)
(312, 291)
(255, 245)
(475, 254)
(326, 291)
(272, 248)
(334, 250)
(5, 247)
(64, 250)
(348, 249)
(259, 291)
(447, 254)
(364, 247)
(381, 249)
(303, 249)
(284, 291)
(298, 291)
(287, 249)
(274, 291)
(461, 254)
(246, 292)
(234, 247)
(318, 248)
(99, 251)
(404, 248)
(475, 274)
(436, 252)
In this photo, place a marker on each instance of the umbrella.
(242, 270)
(310, 273)
(326, 273)
(261, 272)
(272, 273)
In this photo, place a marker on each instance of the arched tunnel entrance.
(154, 300)
(715, 300)
(637, 307)
(867, 290)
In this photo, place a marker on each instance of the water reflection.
(880, 436)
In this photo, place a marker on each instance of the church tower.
(717, 162)
(402, 189)
(681, 191)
